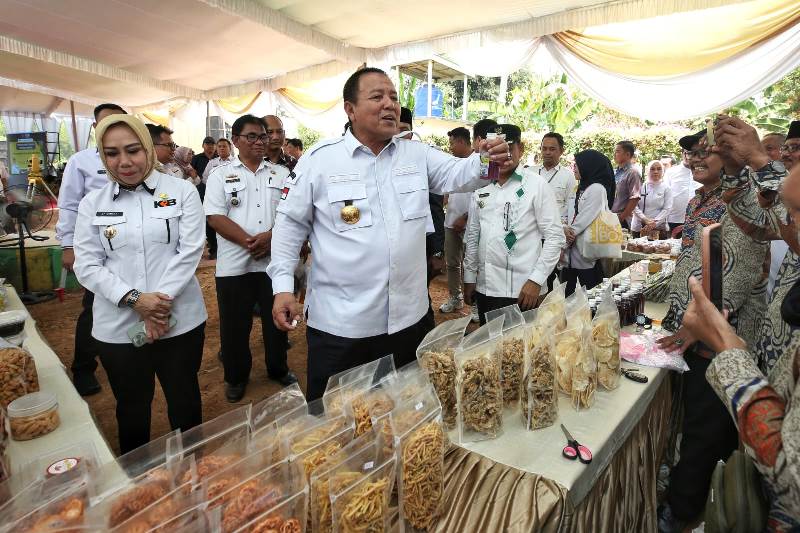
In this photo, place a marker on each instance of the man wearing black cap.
(708, 432)
(199, 161)
(514, 237)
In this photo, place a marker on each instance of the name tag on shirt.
(232, 180)
(484, 194)
(108, 214)
(102, 171)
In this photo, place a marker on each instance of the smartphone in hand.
(713, 263)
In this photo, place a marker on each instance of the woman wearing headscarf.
(655, 203)
(138, 241)
(596, 190)
(183, 160)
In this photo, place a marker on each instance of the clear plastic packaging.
(355, 381)
(512, 351)
(381, 367)
(576, 367)
(312, 448)
(33, 415)
(436, 355)
(605, 342)
(480, 394)
(18, 375)
(539, 392)
(421, 443)
(360, 494)
(368, 447)
(12, 326)
(286, 517)
(51, 504)
(577, 309)
(289, 400)
(231, 476)
(221, 458)
(552, 310)
(410, 381)
(61, 460)
(373, 402)
(202, 440)
(162, 511)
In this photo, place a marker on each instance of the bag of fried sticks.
(480, 393)
(435, 355)
(420, 444)
(360, 492)
(511, 351)
(310, 448)
(539, 391)
(605, 341)
(354, 381)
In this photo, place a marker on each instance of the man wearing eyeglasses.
(514, 237)
(240, 204)
(277, 138)
(679, 179)
(165, 147)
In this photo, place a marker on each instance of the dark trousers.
(330, 354)
(490, 303)
(709, 435)
(236, 296)
(131, 372)
(85, 346)
(588, 277)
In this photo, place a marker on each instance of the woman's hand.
(707, 324)
(154, 330)
(154, 306)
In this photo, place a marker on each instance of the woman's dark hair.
(594, 167)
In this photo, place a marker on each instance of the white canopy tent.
(176, 61)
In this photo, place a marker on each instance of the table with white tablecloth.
(77, 423)
(521, 482)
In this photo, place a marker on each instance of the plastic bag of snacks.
(142, 492)
(539, 391)
(576, 368)
(286, 517)
(553, 307)
(204, 439)
(512, 351)
(577, 308)
(18, 375)
(258, 494)
(435, 355)
(355, 381)
(192, 521)
(373, 402)
(420, 442)
(410, 381)
(360, 494)
(310, 448)
(160, 512)
(605, 341)
(210, 462)
(50, 504)
(367, 447)
(227, 478)
(271, 410)
(480, 393)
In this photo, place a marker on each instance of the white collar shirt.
(83, 174)
(457, 206)
(369, 277)
(683, 187)
(174, 170)
(150, 239)
(563, 184)
(217, 162)
(506, 227)
(257, 195)
(655, 202)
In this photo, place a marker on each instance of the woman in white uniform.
(596, 189)
(655, 204)
(138, 241)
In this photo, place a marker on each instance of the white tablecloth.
(603, 429)
(77, 422)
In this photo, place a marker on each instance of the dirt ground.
(56, 321)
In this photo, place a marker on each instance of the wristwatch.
(132, 298)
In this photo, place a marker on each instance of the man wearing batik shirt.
(754, 203)
(709, 434)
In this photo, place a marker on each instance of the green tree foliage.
(406, 91)
(308, 136)
(651, 143)
(786, 91)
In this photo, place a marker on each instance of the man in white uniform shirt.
(225, 157)
(683, 187)
(514, 237)
(560, 178)
(362, 199)
(455, 222)
(165, 149)
(240, 203)
(83, 174)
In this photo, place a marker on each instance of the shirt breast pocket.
(342, 194)
(234, 193)
(164, 224)
(113, 232)
(412, 194)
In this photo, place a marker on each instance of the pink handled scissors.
(574, 450)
